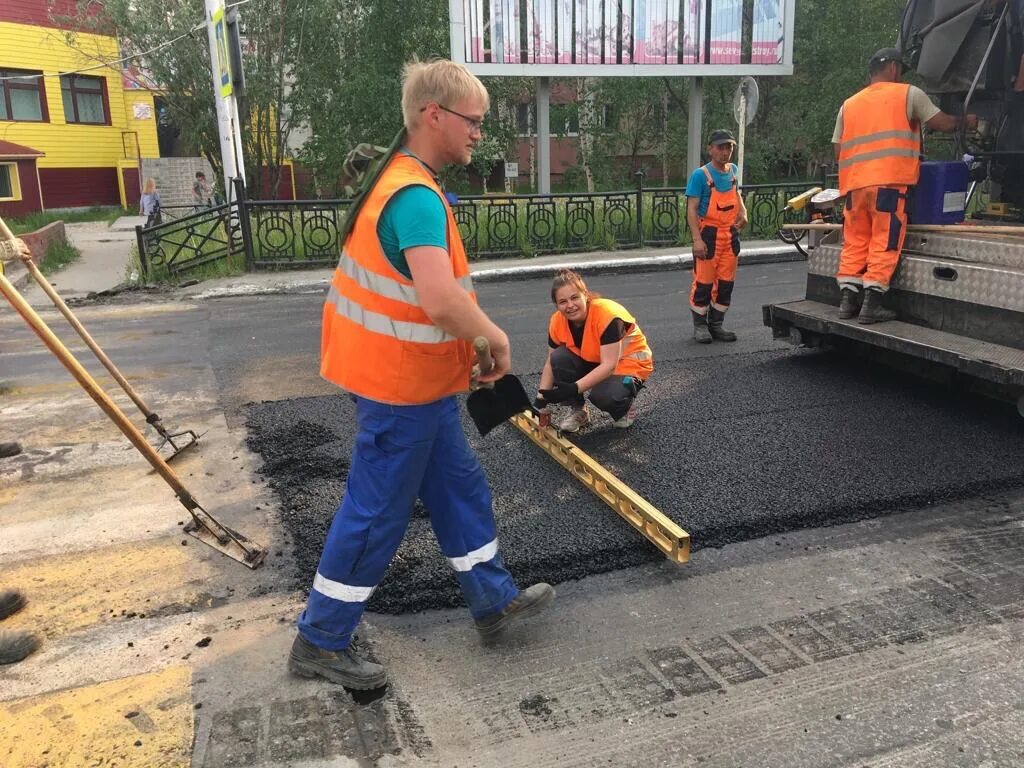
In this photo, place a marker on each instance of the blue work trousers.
(402, 452)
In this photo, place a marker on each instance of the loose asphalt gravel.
(732, 442)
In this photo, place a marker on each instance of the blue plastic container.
(940, 194)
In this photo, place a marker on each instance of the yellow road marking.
(145, 720)
(69, 592)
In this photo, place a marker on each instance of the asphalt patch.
(732, 448)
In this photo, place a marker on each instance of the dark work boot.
(15, 645)
(700, 328)
(344, 667)
(849, 303)
(11, 601)
(9, 449)
(718, 333)
(872, 311)
(528, 602)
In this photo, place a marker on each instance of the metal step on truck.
(960, 300)
(958, 290)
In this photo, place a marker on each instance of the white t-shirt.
(919, 109)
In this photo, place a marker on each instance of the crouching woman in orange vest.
(596, 346)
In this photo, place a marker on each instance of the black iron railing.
(283, 234)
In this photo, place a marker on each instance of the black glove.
(539, 403)
(562, 391)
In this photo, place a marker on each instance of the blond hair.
(150, 186)
(438, 81)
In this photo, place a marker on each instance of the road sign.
(511, 170)
(220, 33)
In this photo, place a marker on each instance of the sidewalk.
(105, 255)
(639, 260)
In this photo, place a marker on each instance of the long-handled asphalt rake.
(178, 441)
(203, 525)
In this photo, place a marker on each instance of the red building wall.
(29, 202)
(79, 187)
(43, 13)
(131, 187)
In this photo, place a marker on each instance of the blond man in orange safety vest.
(878, 146)
(397, 328)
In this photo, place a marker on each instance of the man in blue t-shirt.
(414, 217)
(716, 214)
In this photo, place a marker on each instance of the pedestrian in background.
(201, 193)
(716, 214)
(149, 204)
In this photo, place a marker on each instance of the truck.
(958, 290)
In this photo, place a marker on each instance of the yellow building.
(67, 140)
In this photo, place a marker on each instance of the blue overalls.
(402, 452)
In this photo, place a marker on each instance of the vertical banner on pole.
(726, 31)
(566, 34)
(768, 32)
(693, 32)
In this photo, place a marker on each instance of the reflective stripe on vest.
(376, 340)
(384, 325)
(636, 359)
(879, 145)
(386, 286)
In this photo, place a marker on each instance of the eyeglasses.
(475, 126)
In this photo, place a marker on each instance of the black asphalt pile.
(732, 448)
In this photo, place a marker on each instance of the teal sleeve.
(414, 216)
(697, 186)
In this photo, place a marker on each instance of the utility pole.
(228, 124)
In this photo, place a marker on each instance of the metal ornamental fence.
(289, 234)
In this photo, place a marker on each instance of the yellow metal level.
(672, 540)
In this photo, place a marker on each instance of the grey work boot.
(528, 602)
(11, 601)
(16, 645)
(9, 449)
(718, 333)
(700, 328)
(872, 311)
(849, 303)
(344, 667)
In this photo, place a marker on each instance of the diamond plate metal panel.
(993, 286)
(988, 284)
(1002, 250)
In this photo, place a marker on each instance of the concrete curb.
(761, 255)
(18, 275)
(521, 271)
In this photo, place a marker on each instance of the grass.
(57, 256)
(35, 221)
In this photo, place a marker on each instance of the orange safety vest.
(723, 207)
(637, 359)
(879, 144)
(376, 340)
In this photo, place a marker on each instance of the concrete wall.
(175, 176)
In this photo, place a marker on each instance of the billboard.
(623, 37)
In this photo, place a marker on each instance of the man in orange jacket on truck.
(398, 323)
(878, 146)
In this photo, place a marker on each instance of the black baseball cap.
(721, 136)
(883, 57)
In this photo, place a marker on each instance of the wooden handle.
(483, 354)
(5, 232)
